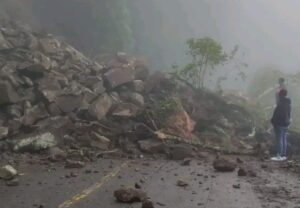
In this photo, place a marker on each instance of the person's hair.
(283, 93)
(281, 80)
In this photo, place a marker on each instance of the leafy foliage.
(205, 54)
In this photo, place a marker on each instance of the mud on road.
(93, 186)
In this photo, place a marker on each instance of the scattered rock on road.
(8, 172)
(186, 162)
(224, 165)
(74, 164)
(14, 182)
(137, 186)
(242, 172)
(147, 204)
(56, 154)
(129, 195)
(182, 183)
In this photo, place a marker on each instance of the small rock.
(186, 162)
(147, 204)
(264, 166)
(238, 160)
(150, 146)
(56, 154)
(88, 171)
(236, 186)
(74, 164)
(8, 172)
(251, 173)
(182, 183)
(137, 186)
(242, 172)
(129, 195)
(99, 141)
(224, 165)
(14, 182)
(160, 204)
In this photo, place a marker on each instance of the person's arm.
(289, 109)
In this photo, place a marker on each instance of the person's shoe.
(283, 158)
(277, 158)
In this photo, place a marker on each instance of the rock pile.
(46, 85)
(52, 95)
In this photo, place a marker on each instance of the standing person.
(281, 86)
(281, 121)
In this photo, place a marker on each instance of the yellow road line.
(91, 189)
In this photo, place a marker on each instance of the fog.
(267, 31)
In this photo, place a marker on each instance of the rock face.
(129, 195)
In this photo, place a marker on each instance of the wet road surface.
(93, 186)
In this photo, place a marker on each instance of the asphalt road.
(93, 186)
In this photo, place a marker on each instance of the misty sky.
(267, 30)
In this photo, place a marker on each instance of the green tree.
(206, 54)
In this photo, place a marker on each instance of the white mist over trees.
(266, 31)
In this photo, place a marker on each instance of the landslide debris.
(52, 96)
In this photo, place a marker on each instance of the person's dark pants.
(281, 140)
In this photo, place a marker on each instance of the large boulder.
(179, 124)
(49, 45)
(68, 103)
(34, 113)
(3, 43)
(3, 132)
(137, 99)
(118, 76)
(100, 107)
(138, 86)
(36, 143)
(8, 93)
(125, 110)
